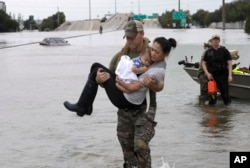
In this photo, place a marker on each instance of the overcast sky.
(79, 9)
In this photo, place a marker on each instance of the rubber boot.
(226, 100)
(212, 99)
(202, 99)
(85, 102)
(130, 163)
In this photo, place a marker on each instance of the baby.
(129, 69)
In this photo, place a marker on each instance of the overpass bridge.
(115, 22)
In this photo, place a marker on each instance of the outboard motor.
(182, 62)
(235, 65)
(197, 65)
(186, 63)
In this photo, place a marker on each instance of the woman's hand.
(151, 83)
(128, 87)
(101, 76)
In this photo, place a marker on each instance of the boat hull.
(238, 88)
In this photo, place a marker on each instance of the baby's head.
(145, 55)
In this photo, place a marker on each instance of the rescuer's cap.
(132, 28)
(216, 36)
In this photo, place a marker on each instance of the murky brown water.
(36, 130)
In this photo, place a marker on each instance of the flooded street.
(36, 131)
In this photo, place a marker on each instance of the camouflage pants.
(203, 88)
(134, 131)
(204, 96)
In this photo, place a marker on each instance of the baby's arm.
(140, 70)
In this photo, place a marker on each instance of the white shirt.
(124, 70)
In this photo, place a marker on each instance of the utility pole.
(115, 6)
(223, 15)
(179, 5)
(132, 6)
(139, 12)
(89, 10)
(58, 21)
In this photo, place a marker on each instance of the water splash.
(165, 164)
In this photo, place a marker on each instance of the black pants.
(114, 94)
(223, 86)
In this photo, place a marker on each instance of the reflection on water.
(2, 43)
(216, 120)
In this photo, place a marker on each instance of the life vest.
(217, 62)
(241, 71)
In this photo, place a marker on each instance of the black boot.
(212, 99)
(226, 100)
(85, 102)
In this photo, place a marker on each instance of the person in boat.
(135, 126)
(217, 65)
(203, 97)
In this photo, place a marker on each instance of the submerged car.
(54, 41)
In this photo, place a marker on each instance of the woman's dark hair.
(166, 44)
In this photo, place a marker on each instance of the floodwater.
(37, 132)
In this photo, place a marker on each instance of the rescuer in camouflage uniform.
(136, 124)
(135, 127)
(202, 77)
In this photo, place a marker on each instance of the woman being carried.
(115, 87)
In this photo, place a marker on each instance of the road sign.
(178, 15)
(139, 17)
(183, 22)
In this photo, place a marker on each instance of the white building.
(2, 6)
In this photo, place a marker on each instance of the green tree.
(188, 18)
(7, 24)
(200, 18)
(167, 21)
(52, 22)
(30, 24)
(247, 25)
(235, 11)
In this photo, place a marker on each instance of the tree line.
(49, 24)
(7, 24)
(235, 11)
